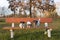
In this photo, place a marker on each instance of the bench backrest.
(18, 20)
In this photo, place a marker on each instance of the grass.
(28, 35)
(31, 34)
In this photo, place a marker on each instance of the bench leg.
(11, 33)
(49, 33)
(12, 24)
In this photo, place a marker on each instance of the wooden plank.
(18, 28)
(15, 28)
(9, 28)
(18, 20)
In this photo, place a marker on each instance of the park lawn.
(31, 34)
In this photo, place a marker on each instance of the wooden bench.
(18, 20)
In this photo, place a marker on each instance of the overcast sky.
(6, 4)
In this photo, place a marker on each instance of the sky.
(4, 3)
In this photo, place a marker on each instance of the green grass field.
(31, 34)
